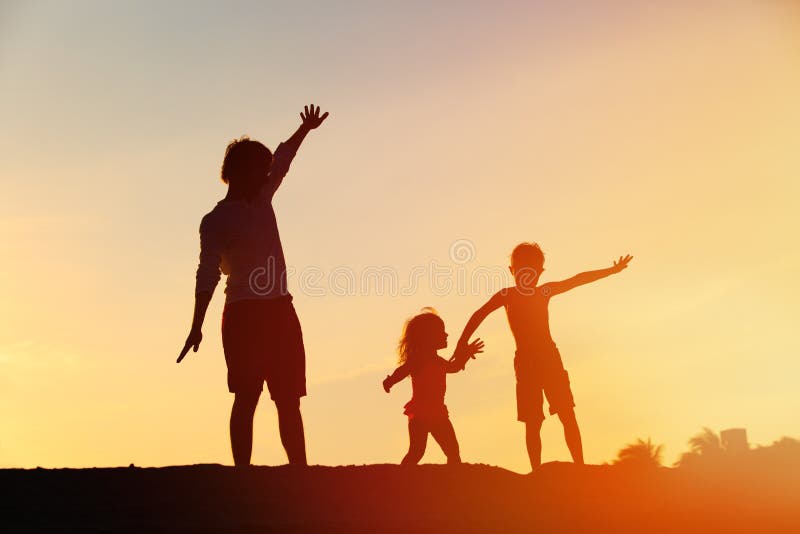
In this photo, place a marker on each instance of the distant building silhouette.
(734, 440)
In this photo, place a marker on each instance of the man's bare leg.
(241, 426)
(290, 425)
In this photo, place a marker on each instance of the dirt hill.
(390, 498)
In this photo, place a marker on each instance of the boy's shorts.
(541, 371)
(262, 340)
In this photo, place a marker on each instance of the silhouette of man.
(261, 334)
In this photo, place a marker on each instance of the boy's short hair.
(527, 255)
(242, 155)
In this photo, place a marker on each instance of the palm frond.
(640, 454)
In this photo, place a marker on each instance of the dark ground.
(388, 498)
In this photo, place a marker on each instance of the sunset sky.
(667, 131)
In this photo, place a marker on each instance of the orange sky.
(665, 132)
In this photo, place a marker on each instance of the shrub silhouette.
(783, 454)
(785, 445)
(641, 455)
(707, 451)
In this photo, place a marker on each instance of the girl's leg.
(417, 440)
(445, 435)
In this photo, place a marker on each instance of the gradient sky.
(668, 131)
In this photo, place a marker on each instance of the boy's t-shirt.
(428, 386)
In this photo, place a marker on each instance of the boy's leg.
(241, 426)
(533, 440)
(559, 395)
(290, 425)
(530, 399)
(417, 440)
(572, 434)
(445, 435)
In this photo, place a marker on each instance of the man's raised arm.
(286, 151)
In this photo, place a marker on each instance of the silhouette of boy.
(261, 334)
(537, 364)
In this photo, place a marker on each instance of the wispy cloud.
(20, 224)
(31, 354)
(348, 375)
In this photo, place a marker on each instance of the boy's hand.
(387, 386)
(622, 263)
(193, 340)
(311, 117)
(476, 347)
(465, 352)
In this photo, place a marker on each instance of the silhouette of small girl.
(423, 335)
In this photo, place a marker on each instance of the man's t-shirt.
(240, 239)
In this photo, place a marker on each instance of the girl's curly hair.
(417, 332)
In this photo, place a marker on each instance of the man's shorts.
(262, 340)
(541, 372)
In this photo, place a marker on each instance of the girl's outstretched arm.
(587, 277)
(399, 374)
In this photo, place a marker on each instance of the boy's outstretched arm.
(462, 354)
(398, 375)
(587, 277)
(477, 318)
(286, 151)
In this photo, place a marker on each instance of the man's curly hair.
(243, 155)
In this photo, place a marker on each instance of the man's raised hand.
(311, 117)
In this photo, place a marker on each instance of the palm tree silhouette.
(703, 447)
(641, 454)
(706, 443)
